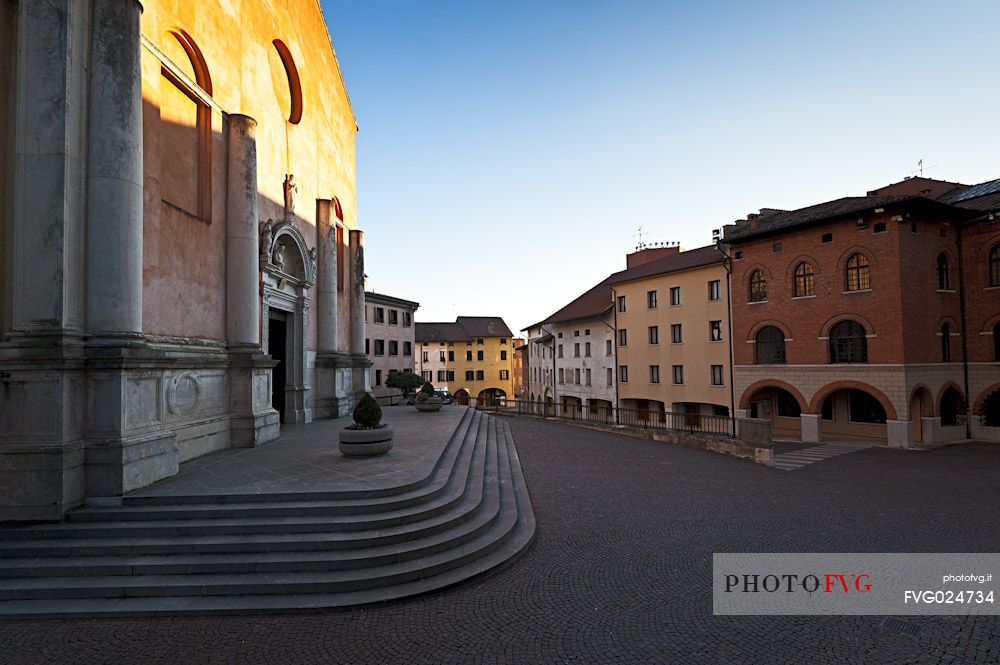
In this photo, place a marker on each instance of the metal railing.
(692, 423)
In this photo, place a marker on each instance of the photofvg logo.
(794, 583)
(862, 583)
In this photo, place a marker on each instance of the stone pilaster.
(359, 359)
(326, 279)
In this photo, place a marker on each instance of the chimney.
(752, 220)
(648, 254)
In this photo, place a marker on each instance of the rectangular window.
(427, 375)
(451, 375)
(715, 331)
(654, 334)
(441, 375)
(607, 347)
(587, 332)
(503, 340)
(380, 347)
(379, 315)
(622, 338)
(560, 351)
(576, 376)
(675, 295)
(654, 373)
(367, 352)
(586, 349)
(623, 373)
(378, 377)
(679, 374)
(621, 303)
(576, 333)
(451, 356)
(441, 356)
(393, 347)
(561, 374)
(504, 374)
(651, 299)
(611, 377)
(470, 375)
(423, 355)
(407, 349)
(716, 375)
(468, 355)
(479, 375)
(588, 377)
(714, 292)
(393, 317)
(675, 333)
(479, 341)
(407, 319)
(479, 355)
(576, 349)
(503, 355)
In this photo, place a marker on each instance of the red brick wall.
(982, 303)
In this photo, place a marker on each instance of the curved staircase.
(252, 553)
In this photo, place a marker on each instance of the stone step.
(497, 483)
(485, 544)
(244, 506)
(174, 528)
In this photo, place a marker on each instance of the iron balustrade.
(692, 423)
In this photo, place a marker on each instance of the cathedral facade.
(181, 269)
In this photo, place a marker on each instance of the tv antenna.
(638, 235)
(921, 168)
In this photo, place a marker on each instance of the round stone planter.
(365, 442)
(433, 404)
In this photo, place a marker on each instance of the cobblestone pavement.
(620, 568)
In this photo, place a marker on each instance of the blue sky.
(509, 151)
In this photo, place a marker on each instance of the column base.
(900, 433)
(254, 421)
(810, 427)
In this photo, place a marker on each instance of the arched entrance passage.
(778, 405)
(572, 407)
(952, 408)
(852, 414)
(989, 412)
(921, 406)
(490, 397)
(461, 396)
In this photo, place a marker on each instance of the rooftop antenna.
(641, 244)
(921, 168)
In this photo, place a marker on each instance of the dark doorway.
(276, 347)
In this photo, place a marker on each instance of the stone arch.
(944, 387)
(988, 246)
(290, 253)
(816, 405)
(984, 396)
(757, 386)
(461, 396)
(952, 405)
(803, 258)
(768, 322)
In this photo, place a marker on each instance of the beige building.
(672, 333)
(478, 357)
(390, 343)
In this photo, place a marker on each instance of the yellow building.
(472, 357)
(672, 332)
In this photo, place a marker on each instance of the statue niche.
(284, 253)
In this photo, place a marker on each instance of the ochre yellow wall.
(696, 353)
(491, 364)
(184, 256)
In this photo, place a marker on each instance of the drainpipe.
(728, 265)
(614, 354)
(965, 336)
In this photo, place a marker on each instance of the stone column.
(242, 238)
(114, 172)
(900, 433)
(326, 279)
(357, 292)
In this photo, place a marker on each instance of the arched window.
(803, 280)
(769, 346)
(848, 343)
(945, 343)
(995, 266)
(944, 283)
(185, 127)
(858, 277)
(292, 104)
(758, 286)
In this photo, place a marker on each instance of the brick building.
(871, 317)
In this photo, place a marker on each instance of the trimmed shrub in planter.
(368, 436)
(427, 399)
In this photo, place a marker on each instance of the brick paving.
(620, 569)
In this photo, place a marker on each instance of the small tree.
(367, 414)
(406, 382)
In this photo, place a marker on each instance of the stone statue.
(312, 262)
(278, 257)
(291, 189)
(266, 238)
